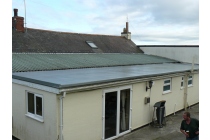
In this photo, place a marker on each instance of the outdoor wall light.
(150, 85)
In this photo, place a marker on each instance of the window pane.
(182, 78)
(181, 84)
(124, 110)
(110, 114)
(31, 103)
(92, 45)
(190, 82)
(165, 88)
(190, 76)
(167, 81)
(39, 106)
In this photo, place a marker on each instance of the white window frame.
(167, 91)
(31, 115)
(91, 44)
(118, 89)
(182, 81)
(189, 80)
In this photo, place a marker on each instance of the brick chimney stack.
(17, 22)
(126, 32)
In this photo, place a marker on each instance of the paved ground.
(170, 132)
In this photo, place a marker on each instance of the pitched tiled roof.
(42, 41)
(43, 61)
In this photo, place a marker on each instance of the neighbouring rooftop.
(22, 62)
(82, 77)
(44, 41)
(175, 46)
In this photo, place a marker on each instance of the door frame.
(118, 89)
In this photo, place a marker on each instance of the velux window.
(91, 44)
(167, 85)
(35, 105)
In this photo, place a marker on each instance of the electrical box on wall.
(147, 100)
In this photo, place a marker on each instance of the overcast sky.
(151, 22)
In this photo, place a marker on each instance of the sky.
(151, 22)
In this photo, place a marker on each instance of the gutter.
(61, 115)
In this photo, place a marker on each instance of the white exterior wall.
(140, 110)
(193, 91)
(183, 54)
(82, 111)
(26, 128)
(82, 115)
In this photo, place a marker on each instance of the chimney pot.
(15, 12)
(124, 30)
(127, 27)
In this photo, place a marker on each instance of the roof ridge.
(167, 45)
(72, 32)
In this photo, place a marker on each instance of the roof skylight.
(91, 44)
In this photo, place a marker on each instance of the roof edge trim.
(36, 86)
(36, 81)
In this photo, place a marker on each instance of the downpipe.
(149, 104)
(61, 115)
(186, 85)
(185, 91)
(149, 107)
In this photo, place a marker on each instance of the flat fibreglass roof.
(82, 77)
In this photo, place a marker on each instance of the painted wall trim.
(36, 86)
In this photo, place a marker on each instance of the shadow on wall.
(14, 138)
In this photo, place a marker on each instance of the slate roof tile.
(43, 41)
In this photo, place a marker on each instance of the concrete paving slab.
(170, 132)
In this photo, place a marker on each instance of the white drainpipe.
(185, 91)
(149, 105)
(61, 115)
(186, 85)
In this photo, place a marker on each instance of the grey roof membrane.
(82, 77)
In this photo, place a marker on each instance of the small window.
(167, 85)
(34, 105)
(182, 82)
(91, 44)
(190, 80)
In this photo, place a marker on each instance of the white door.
(116, 112)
